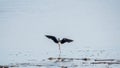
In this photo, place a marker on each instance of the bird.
(58, 41)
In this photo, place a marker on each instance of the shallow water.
(69, 63)
(93, 59)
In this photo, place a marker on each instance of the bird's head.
(59, 39)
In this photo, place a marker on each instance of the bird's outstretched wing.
(66, 40)
(52, 37)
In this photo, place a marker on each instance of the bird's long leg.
(59, 48)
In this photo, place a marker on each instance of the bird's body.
(64, 40)
(58, 41)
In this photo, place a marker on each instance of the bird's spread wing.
(66, 40)
(52, 37)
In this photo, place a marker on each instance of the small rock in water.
(50, 58)
(86, 59)
(64, 67)
(3, 66)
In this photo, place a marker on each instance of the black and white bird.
(58, 41)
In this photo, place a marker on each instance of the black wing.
(66, 40)
(52, 37)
